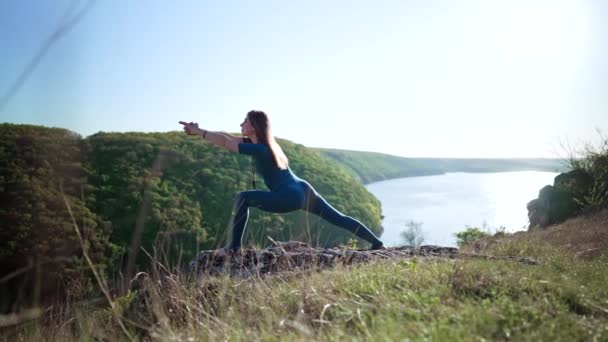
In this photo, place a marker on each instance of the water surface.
(446, 203)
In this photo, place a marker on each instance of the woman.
(287, 191)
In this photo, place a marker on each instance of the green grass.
(562, 299)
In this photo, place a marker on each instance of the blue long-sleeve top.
(274, 178)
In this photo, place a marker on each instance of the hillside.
(185, 173)
(169, 193)
(583, 237)
(169, 185)
(372, 167)
(561, 298)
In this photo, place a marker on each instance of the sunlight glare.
(535, 32)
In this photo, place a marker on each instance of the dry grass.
(577, 235)
(562, 299)
(418, 299)
(585, 236)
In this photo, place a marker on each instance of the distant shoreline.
(370, 167)
(450, 172)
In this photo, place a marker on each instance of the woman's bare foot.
(378, 247)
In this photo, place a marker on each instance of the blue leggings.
(298, 195)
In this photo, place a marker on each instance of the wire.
(65, 25)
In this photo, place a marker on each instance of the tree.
(413, 235)
(40, 254)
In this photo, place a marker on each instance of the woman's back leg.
(317, 205)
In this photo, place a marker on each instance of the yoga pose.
(287, 191)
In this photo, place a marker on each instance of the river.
(446, 204)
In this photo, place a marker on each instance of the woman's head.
(257, 123)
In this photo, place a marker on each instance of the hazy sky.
(419, 78)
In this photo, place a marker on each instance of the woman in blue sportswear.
(287, 191)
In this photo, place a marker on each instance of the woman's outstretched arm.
(224, 140)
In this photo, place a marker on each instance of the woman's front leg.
(269, 201)
(242, 202)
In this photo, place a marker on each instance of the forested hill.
(372, 167)
(177, 189)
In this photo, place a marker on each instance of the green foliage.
(469, 235)
(351, 244)
(140, 182)
(372, 167)
(412, 299)
(183, 189)
(41, 169)
(178, 191)
(594, 164)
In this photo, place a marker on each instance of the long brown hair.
(261, 124)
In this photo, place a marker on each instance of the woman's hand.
(216, 138)
(191, 128)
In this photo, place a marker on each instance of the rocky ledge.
(296, 256)
(280, 258)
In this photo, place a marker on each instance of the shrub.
(593, 161)
(469, 235)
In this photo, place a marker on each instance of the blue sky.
(423, 78)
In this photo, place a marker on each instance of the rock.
(576, 182)
(280, 257)
(293, 256)
(276, 259)
(538, 215)
(589, 253)
(552, 206)
(291, 245)
(562, 200)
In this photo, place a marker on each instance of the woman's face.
(246, 128)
